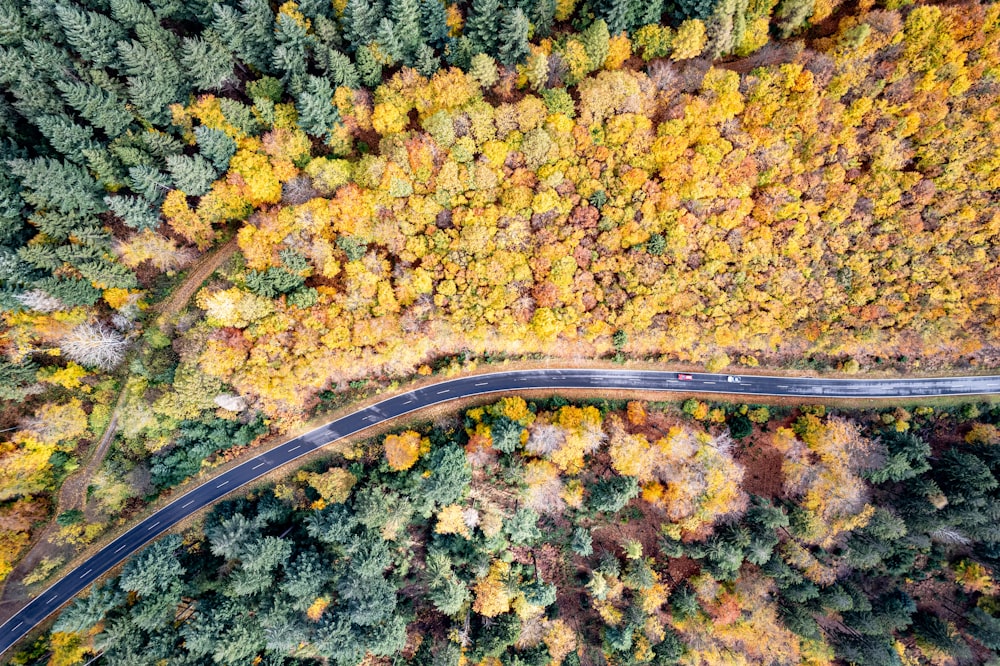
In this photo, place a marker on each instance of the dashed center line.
(54, 597)
(150, 528)
(222, 484)
(482, 384)
(295, 448)
(444, 391)
(18, 624)
(84, 574)
(121, 547)
(260, 464)
(187, 504)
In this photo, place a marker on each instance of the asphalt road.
(521, 380)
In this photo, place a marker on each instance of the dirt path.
(73, 493)
(198, 274)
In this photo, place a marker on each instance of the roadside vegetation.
(549, 532)
(415, 186)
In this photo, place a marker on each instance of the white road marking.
(295, 448)
(708, 382)
(152, 526)
(482, 383)
(444, 391)
(17, 625)
(54, 597)
(84, 574)
(121, 547)
(187, 504)
(260, 464)
(222, 484)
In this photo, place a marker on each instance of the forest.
(403, 188)
(549, 532)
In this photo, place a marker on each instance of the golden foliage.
(403, 450)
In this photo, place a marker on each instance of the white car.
(733, 380)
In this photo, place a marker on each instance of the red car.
(684, 377)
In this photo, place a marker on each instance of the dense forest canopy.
(412, 186)
(546, 532)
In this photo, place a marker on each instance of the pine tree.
(135, 212)
(102, 108)
(130, 13)
(47, 58)
(426, 60)
(360, 22)
(257, 23)
(151, 183)
(92, 35)
(71, 291)
(405, 15)
(151, 98)
(513, 39)
(208, 64)
(483, 69)
(615, 14)
(216, 146)
(388, 44)
(317, 114)
(52, 184)
(644, 12)
(65, 136)
(482, 26)
(542, 16)
(790, 15)
(434, 23)
(341, 71)
(193, 175)
(369, 68)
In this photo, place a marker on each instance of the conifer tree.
(341, 71)
(193, 175)
(360, 23)
(92, 35)
(134, 211)
(151, 97)
(65, 136)
(434, 23)
(426, 61)
(102, 108)
(513, 38)
(405, 15)
(57, 185)
(207, 63)
(130, 13)
(615, 14)
(215, 145)
(151, 183)
(596, 39)
(389, 46)
(542, 16)
(482, 26)
(317, 114)
(369, 68)
(258, 22)
(105, 167)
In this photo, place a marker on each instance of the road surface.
(519, 380)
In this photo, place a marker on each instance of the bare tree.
(40, 301)
(95, 345)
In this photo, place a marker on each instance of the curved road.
(520, 380)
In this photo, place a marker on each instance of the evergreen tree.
(47, 58)
(616, 15)
(65, 136)
(106, 168)
(369, 68)
(542, 16)
(193, 175)
(107, 274)
(389, 46)
(790, 15)
(360, 23)
(102, 108)
(151, 97)
(612, 494)
(16, 378)
(341, 71)
(57, 185)
(151, 183)
(208, 64)
(644, 12)
(426, 60)
(405, 15)
(92, 35)
(134, 211)
(72, 292)
(130, 13)
(257, 21)
(513, 38)
(216, 146)
(317, 114)
(582, 542)
(482, 26)
(434, 23)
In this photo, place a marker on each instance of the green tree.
(790, 15)
(405, 16)
(450, 475)
(207, 62)
(92, 35)
(482, 25)
(434, 23)
(216, 146)
(65, 136)
(102, 108)
(612, 494)
(360, 22)
(59, 186)
(582, 543)
(542, 17)
(155, 569)
(192, 174)
(513, 46)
